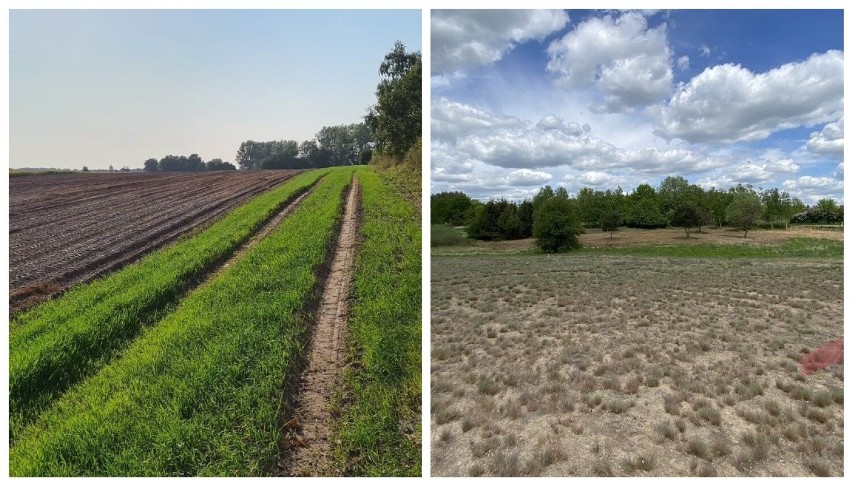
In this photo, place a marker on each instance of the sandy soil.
(310, 426)
(568, 365)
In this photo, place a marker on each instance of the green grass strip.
(60, 342)
(380, 430)
(199, 393)
(793, 248)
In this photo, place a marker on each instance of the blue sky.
(523, 98)
(99, 87)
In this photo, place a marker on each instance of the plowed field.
(65, 229)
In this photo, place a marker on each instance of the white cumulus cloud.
(628, 61)
(683, 63)
(728, 103)
(451, 119)
(526, 177)
(828, 141)
(465, 39)
(811, 189)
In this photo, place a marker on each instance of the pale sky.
(100, 88)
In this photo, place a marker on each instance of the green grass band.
(380, 431)
(199, 393)
(60, 342)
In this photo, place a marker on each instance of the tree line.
(674, 203)
(332, 146)
(391, 128)
(182, 163)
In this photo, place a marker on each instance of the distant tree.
(124, 169)
(194, 163)
(610, 220)
(589, 205)
(687, 215)
(525, 215)
(340, 140)
(557, 226)
(85, 169)
(281, 154)
(645, 209)
(217, 164)
(248, 155)
(744, 211)
(672, 190)
(395, 119)
(542, 196)
(151, 165)
(450, 207)
(776, 206)
(111, 168)
(484, 224)
(498, 220)
(717, 203)
(828, 211)
(365, 156)
(508, 222)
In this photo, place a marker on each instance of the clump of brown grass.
(642, 461)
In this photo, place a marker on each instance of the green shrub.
(557, 225)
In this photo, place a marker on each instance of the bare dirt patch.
(573, 365)
(66, 229)
(307, 432)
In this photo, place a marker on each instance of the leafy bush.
(646, 214)
(557, 225)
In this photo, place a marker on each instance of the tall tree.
(395, 119)
(151, 165)
(687, 215)
(744, 211)
(672, 190)
(247, 155)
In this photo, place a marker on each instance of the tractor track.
(306, 429)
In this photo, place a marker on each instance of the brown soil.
(67, 229)
(308, 431)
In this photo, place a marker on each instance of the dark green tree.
(217, 164)
(395, 119)
(249, 155)
(450, 207)
(645, 209)
(610, 220)
(687, 214)
(672, 190)
(525, 214)
(151, 165)
(744, 211)
(557, 226)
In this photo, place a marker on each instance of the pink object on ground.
(818, 359)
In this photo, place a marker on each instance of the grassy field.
(57, 344)
(636, 361)
(798, 241)
(200, 392)
(379, 430)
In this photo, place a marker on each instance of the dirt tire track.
(307, 433)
